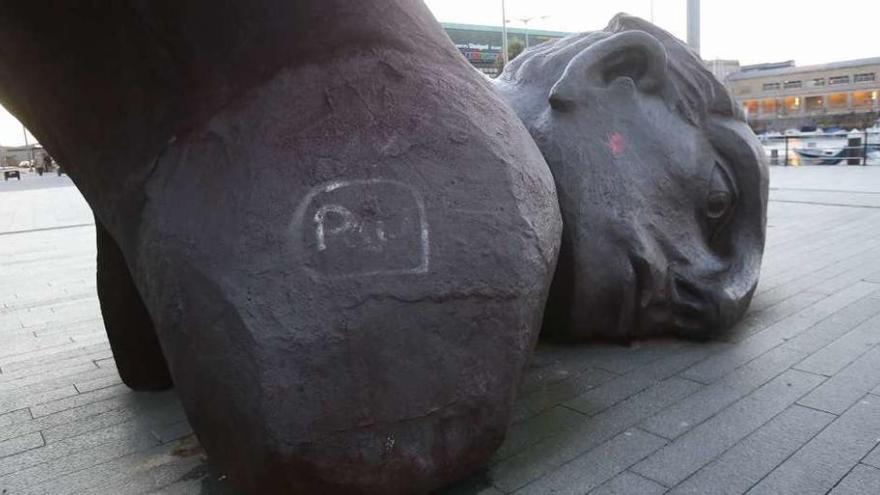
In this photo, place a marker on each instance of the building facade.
(12, 156)
(781, 95)
(481, 45)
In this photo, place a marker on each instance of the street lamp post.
(693, 24)
(526, 21)
(27, 145)
(504, 56)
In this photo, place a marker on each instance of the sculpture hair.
(692, 90)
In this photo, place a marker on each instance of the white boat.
(819, 156)
(821, 147)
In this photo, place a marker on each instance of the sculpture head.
(662, 185)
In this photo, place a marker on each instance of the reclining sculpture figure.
(336, 240)
(333, 231)
(661, 183)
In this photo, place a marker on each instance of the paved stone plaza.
(788, 403)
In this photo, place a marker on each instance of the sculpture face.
(663, 205)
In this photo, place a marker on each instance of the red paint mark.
(615, 143)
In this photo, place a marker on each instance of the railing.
(812, 148)
(806, 110)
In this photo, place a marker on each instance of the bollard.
(854, 151)
(774, 157)
(786, 151)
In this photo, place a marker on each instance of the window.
(819, 82)
(863, 99)
(769, 106)
(863, 77)
(814, 103)
(838, 100)
(792, 84)
(771, 86)
(838, 80)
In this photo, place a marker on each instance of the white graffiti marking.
(364, 241)
(345, 225)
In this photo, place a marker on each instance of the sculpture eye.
(718, 204)
(720, 200)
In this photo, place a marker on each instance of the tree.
(514, 48)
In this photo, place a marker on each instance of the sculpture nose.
(692, 299)
(686, 291)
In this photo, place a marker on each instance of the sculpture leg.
(136, 349)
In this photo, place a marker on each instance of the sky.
(11, 131)
(751, 31)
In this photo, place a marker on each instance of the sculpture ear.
(633, 54)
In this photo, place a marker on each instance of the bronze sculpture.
(334, 232)
(336, 239)
(662, 185)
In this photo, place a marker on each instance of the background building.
(481, 45)
(12, 156)
(723, 69)
(780, 96)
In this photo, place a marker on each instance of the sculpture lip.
(671, 303)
